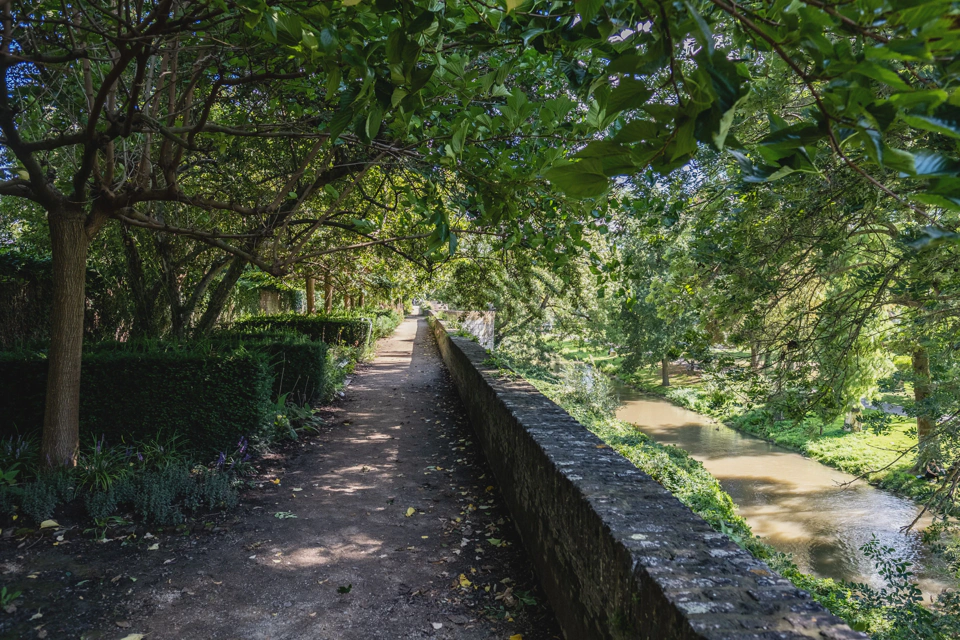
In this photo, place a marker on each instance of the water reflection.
(797, 504)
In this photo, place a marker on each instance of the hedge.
(350, 331)
(208, 399)
(300, 366)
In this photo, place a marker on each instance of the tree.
(221, 122)
(658, 322)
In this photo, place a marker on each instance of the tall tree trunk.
(754, 357)
(144, 304)
(61, 418)
(170, 275)
(928, 451)
(361, 300)
(220, 295)
(346, 301)
(311, 302)
(327, 292)
(665, 372)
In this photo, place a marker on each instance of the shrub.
(347, 330)
(299, 364)
(210, 399)
(39, 499)
(162, 496)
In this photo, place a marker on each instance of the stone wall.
(618, 556)
(478, 323)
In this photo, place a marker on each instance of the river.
(795, 503)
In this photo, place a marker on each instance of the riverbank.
(882, 613)
(877, 457)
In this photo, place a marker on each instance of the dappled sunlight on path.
(369, 533)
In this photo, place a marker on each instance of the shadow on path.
(398, 442)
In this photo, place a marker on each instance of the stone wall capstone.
(618, 556)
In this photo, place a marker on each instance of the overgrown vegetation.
(895, 612)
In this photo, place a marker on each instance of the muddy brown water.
(796, 504)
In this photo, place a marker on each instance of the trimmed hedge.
(352, 330)
(300, 365)
(211, 400)
(330, 329)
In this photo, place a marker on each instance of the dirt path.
(351, 564)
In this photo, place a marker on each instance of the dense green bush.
(301, 369)
(354, 328)
(154, 479)
(211, 399)
(385, 321)
(352, 331)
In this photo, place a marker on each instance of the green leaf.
(588, 9)
(328, 40)
(945, 119)
(703, 34)
(601, 149)
(637, 130)
(584, 179)
(882, 74)
(374, 118)
(421, 23)
(932, 236)
(340, 122)
(629, 94)
(930, 164)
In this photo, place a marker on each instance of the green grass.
(695, 487)
(878, 456)
(856, 453)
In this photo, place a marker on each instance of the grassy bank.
(892, 614)
(877, 456)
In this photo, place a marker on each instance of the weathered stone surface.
(618, 555)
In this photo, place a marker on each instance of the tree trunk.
(327, 293)
(220, 295)
(311, 302)
(665, 372)
(346, 302)
(144, 305)
(361, 300)
(61, 418)
(928, 447)
(754, 357)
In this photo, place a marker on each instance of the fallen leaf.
(437, 625)
(275, 481)
(411, 511)
(154, 547)
(133, 636)
(36, 616)
(49, 524)
(32, 576)
(123, 624)
(464, 582)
